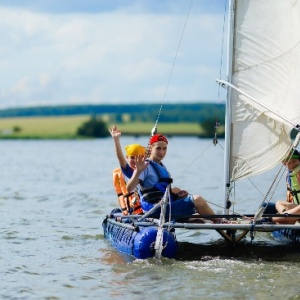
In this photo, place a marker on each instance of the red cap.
(158, 137)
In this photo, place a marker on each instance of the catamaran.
(261, 128)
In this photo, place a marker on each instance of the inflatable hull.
(138, 241)
(291, 235)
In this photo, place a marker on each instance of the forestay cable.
(154, 129)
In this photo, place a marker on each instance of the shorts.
(179, 208)
(270, 208)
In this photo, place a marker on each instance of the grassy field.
(41, 127)
(65, 127)
(166, 128)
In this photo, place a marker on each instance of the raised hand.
(114, 131)
(141, 163)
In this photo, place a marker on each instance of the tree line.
(206, 114)
(118, 113)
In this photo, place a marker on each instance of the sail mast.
(231, 7)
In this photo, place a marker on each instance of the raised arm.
(116, 134)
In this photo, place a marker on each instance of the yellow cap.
(135, 150)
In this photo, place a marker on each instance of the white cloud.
(20, 87)
(111, 57)
(44, 79)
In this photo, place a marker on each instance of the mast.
(227, 187)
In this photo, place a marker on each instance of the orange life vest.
(131, 199)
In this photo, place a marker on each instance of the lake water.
(55, 194)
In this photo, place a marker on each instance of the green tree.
(16, 129)
(94, 127)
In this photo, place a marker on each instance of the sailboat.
(262, 112)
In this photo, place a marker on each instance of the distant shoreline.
(65, 127)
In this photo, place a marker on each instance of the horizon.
(111, 104)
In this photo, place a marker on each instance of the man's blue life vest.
(152, 195)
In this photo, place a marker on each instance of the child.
(129, 202)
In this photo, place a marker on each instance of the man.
(291, 205)
(151, 178)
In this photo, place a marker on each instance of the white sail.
(265, 65)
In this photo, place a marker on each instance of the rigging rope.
(154, 129)
(174, 62)
(222, 47)
(276, 180)
(191, 163)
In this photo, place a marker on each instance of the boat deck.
(231, 230)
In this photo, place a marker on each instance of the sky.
(63, 52)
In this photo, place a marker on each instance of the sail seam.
(267, 61)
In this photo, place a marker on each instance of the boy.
(129, 202)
